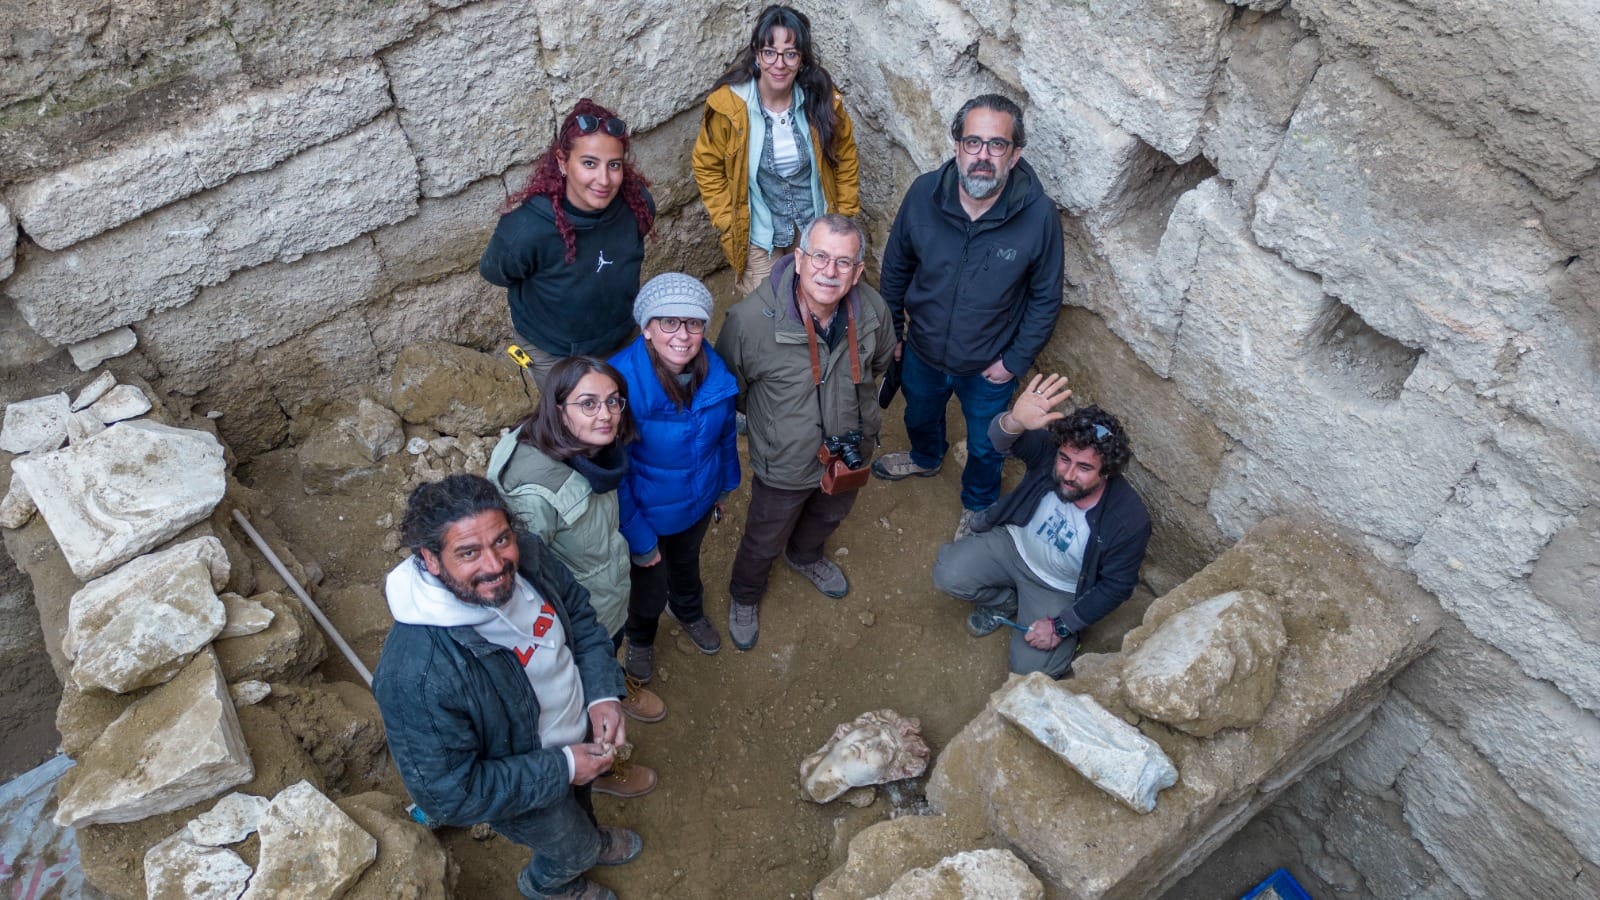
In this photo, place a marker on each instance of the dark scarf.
(605, 470)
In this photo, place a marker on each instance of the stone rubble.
(17, 507)
(243, 616)
(94, 390)
(179, 869)
(249, 692)
(425, 389)
(35, 426)
(1101, 747)
(234, 818)
(82, 425)
(96, 350)
(122, 402)
(309, 847)
(153, 629)
(124, 491)
(988, 874)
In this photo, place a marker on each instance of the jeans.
(674, 581)
(778, 520)
(987, 571)
(927, 393)
(564, 839)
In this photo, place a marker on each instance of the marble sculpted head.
(875, 748)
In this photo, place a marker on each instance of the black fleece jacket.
(565, 309)
(976, 291)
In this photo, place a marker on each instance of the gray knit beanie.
(672, 294)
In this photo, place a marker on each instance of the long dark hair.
(547, 180)
(544, 429)
(813, 79)
(678, 392)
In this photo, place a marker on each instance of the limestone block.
(471, 89)
(243, 616)
(96, 350)
(35, 426)
(125, 401)
(1363, 172)
(257, 308)
(8, 242)
(320, 198)
(1211, 666)
(1289, 372)
(234, 818)
(995, 874)
(1101, 747)
(1269, 63)
(446, 235)
(20, 345)
(177, 745)
(1567, 575)
(288, 648)
(249, 693)
(659, 155)
(408, 853)
(177, 869)
(247, 135)
(472, 311)
(1373, 762)
(1533, 735)
(294, 36)
(1525, 86)
(1476, 555)
(377, 429)
(1104, 53)
(427, 389)
(309, 847)
(83, 425)
(17, 507)
(124, 491)
(93, 391)
(1457, 808)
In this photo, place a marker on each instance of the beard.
(982, 180)
(466, 591)
(1069, 493)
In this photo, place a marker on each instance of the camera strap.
(816, 358)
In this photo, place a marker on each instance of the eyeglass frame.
(762, 54)
(680, 322)
(588, 123)
(614, 404)
(985, 146)
(824, 262)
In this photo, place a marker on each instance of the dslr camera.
(847, 447)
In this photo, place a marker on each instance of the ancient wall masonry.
(1326, 259)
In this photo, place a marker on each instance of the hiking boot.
(897, 465)
(981, 622)
(618, 846)
(640, 662)
(642, 704)
(824, 574)
(579, 889)
(702, 632)
(625, 780)
(744, 624)
(964, 527)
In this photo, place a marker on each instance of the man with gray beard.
(972, 277)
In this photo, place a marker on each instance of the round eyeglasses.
(671, 324)
(590, 406)
(832, 263)
(972, 144)
(770, 55)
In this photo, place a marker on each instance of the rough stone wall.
(1324, 256)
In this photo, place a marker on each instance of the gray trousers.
(986, 570)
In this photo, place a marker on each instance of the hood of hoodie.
(541, 208)
(416, 597)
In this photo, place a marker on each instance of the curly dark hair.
(547, 180)
(1078, 431)
(434, 506)
(546, 431)
(813, 79)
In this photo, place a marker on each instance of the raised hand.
(1038, 406)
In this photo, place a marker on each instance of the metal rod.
(316, 613)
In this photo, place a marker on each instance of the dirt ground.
(728, 819)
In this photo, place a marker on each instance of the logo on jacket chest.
(541, 627)
(602, 262)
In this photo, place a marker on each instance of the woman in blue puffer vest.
(686, 457)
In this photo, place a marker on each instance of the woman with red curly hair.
(567, 251)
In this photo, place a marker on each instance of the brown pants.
(796, 522)
(757, 266)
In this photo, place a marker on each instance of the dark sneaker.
(744, 624)
(702, 632)
(618, 846)
(897, 465)
(639, 662)
(981, 622)
(625, 780)
(580, 889)
(823, 574)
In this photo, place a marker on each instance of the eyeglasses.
(590, 406)
(769, 56)
(829, 263)
(972, 144)
(588, 124)
(671, 324)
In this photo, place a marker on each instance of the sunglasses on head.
(588, 124)
(1101, 432)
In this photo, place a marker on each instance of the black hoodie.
(566, 309)
(976, 291)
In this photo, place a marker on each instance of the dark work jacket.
(462, 719)
(567, 309)
(1119, 526)
(975, 291)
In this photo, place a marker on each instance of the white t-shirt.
(529, 627)
(785, 150)
(1053, 541)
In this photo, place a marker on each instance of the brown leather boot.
(626, 780)
(642, 703)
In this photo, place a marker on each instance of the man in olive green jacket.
(764, 341)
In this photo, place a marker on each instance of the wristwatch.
(1061, 629)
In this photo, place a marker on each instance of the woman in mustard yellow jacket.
(776, 148)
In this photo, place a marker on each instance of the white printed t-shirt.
(1053, 541)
